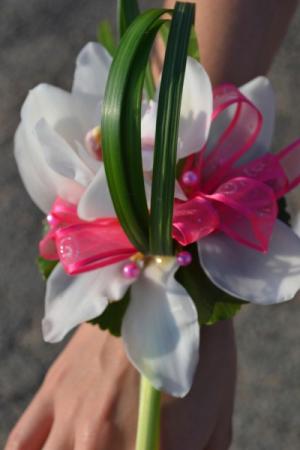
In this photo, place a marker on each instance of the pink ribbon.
(238, 199)
(82, 246)
(243, 208)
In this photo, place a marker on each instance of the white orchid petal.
(260, 92)
(96, 202)
(41, 182)
(262, 278)
(72, 300)
(35, 173)
(69, 115)
(179, 194)
(147, 158)
(195, 113)
(60, 156)
(148, 125)
(92, 68)
(161, 331)
(196, 109)
(89, 161)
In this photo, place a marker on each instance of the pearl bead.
(184, 258)
(131, 270)
(52, 220)
(190, 178)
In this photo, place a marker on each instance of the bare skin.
(238, 39)
(89, 398)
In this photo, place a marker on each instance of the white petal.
(260, 278)
(41, 182)
(196, 109)
(60, 156)
(195, 113)
(89, 161)
(161, 331)
(148, 125)
(179, 192)
(96, 202)
(260, 92)
(92, 68)
(72, 300)
(71, 116)
(35, 173)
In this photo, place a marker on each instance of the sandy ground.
(39, 40)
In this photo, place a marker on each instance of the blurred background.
(39, 41)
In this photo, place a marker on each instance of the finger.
(60, 437)
(33, 427)
(97, 436)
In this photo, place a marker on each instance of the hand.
(89, 399)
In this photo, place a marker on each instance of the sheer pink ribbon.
(240, 200)
(82, 246)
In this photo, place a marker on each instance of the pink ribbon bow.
(82, 246)
(238, 199)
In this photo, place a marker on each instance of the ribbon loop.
(82, 246)
(193, 220)
(248, 211)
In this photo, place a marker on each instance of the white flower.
(160, 328)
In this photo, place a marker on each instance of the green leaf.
(164, 166)
(164, 32)
(223, 311)
(106, 37)
(111, 319)
(149, 83)
(283, 213)
(45, 266)
(128, 10)
(203, 292)
(193, 49)
(121, 119)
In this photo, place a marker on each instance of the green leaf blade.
(46, 266)
(121, 127)
(164, 167)
(106, 37)
(212, 303)
(111, 319)
(128, 10)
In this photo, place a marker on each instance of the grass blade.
(121, 127)
(106, 37)
(128, 10)
(164, 168)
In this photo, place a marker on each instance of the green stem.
(149, 417)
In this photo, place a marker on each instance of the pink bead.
(52, 220)
(184, 258)
(190, 178)
(131, 270)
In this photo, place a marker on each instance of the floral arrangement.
(168, 215)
